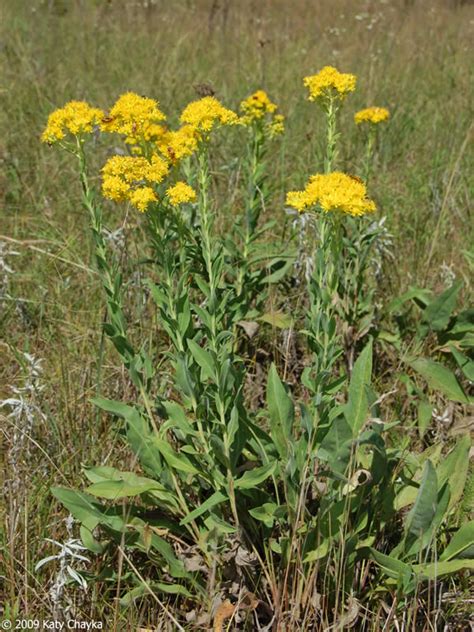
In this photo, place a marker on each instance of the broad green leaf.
(421, 515)
(465, 364)
(254, 477)
(463, 539)
(212, 501)
(454, 469)
(86, 509)
(89, 541)
(357, 407)
(437, 569)
(392, 566)
(425, 413)
(265, 513)
(419, 294)
(318, 553)
(174, 459)
(203, 358)
(115, 408)
(440, 378)
(130, 485)
(281, 411)
(139, 434)
(438, 312)
(178, 418)
(335, 448)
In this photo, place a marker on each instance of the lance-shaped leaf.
(281, 411)
(357, 407)
(254, 477)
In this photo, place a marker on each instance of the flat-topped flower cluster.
(156, 151)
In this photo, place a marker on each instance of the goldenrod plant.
(297, 501)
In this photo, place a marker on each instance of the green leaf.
(463, 539)
(425, 413)
(357, 408)
(281, 411)
(124, 484)
(139, 434)
(319, 552)
(178, 418)
(254, 477)
(438, 312)
(203, 358)
(437, 569)
(174, 459)
(440, 378)
(392, 566)
(86, 509)
(465, 364)
(419, 294)
(421, 515)
(335, 447)
(454, 469)
(119, 409)
(216, 498)
(265, 513)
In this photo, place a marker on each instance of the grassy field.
(413, 57)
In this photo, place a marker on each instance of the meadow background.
(413, 56)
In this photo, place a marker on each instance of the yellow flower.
(142, 197)
(204, 113)
(76, 117)
(128, 178)
(333, 192)
(181, 193)
(136, 117)
(372, 115)
(277, 126)
(256, 106)
(329, 83)
(178, 144)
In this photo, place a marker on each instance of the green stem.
(369, 151)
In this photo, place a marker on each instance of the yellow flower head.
(129, 177)
(204, 113)
(329, 83)
(142, 197)
(276, 126)
(333, 192)
(76, 117)
(256, 106)
(372, 115)
(178, 144)
(181, 193)
(136, 117)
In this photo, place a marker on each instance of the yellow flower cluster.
(372, 115)
(176, 145)
(180, 193)
(257, 107)
(204, 113)
(276, 126)
(333, 192)
(129, 178)
(76, 117)
(136, 117)
(329, 83)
